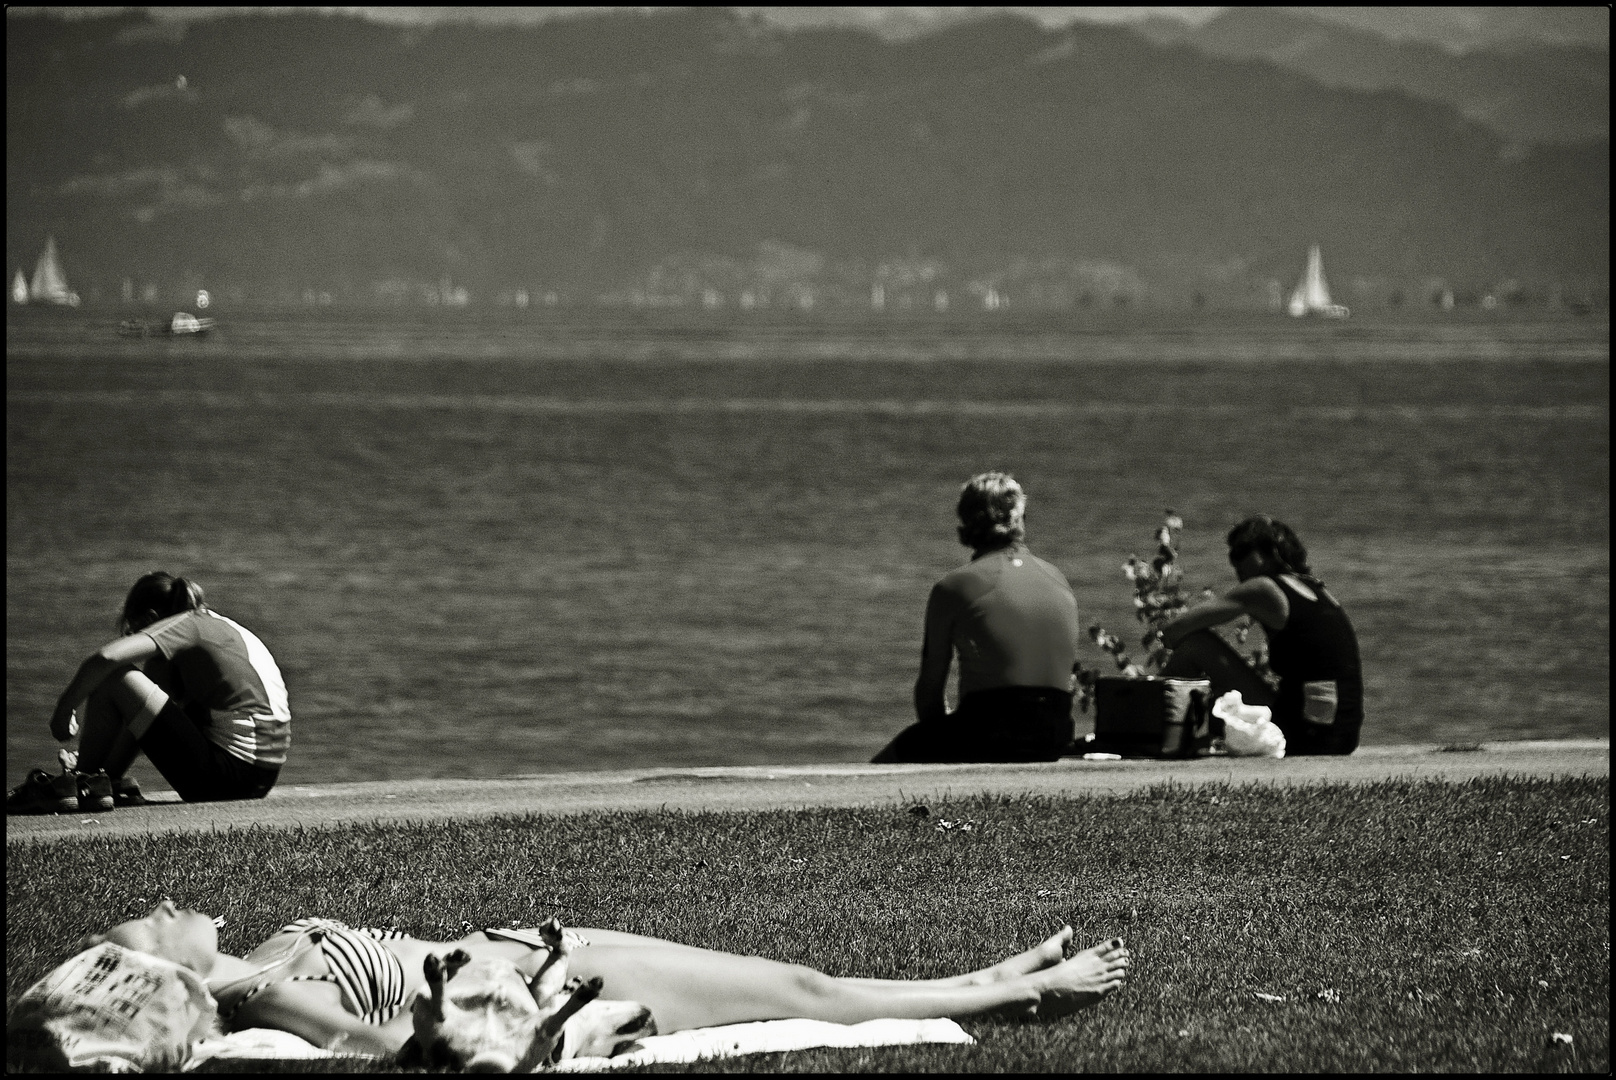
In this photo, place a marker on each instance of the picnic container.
(1153, 716)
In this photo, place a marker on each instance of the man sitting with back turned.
(1011, 617)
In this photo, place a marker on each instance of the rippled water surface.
(491, 544)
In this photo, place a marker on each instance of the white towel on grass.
(257, 1043)
(731, 1040)
(770, 1036)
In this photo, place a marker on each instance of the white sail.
(19, 288)
(1312, 293)
(1298, 303)
(50, 283)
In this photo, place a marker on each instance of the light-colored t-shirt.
(227, 681)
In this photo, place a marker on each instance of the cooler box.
(1152, 716)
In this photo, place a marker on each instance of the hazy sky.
(1454, 27)
(1047, 15)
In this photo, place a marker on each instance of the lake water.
(496, 543)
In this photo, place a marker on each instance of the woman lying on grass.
(354, 985)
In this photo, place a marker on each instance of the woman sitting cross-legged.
(1312, 645)
(353, 987)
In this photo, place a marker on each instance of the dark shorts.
(198, 769)
(1011, 723)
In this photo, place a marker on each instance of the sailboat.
(1312, 295)
(49, 285)
(19, 288)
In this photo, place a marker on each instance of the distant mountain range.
(704, 156)
(1464, 29)
(1537, 93)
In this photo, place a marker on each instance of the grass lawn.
(1396, 926)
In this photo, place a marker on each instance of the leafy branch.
(1160, 596)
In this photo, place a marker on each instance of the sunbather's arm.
(313, 1011)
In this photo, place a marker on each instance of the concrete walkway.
(792, 786)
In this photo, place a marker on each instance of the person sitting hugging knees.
(200, 694)
(1312, 646)
(1012, 619)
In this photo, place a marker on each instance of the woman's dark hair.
(1274, 539)
(991, 509)
(158, 594)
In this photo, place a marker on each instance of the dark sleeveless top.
(1317, 644)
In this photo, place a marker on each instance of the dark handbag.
(1153, 716)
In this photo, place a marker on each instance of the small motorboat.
(183, 323)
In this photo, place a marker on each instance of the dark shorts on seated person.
(201, 770)
(1006, 724)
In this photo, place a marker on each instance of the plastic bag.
(1248, 730)
(111, 1009)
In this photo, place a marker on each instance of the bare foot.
(1104, 950)
(1037, 958)
(1083, 980)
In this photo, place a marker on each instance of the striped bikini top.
(367, 972)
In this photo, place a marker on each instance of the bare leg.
(1204, 654)
(1047, 954)
(116, 713)
(113, 713)
(687, 988)
(1044, 955)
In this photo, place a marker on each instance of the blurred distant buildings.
(900, 288)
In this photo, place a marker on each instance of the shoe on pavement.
(126, 792)
(43, 793)
(95, 791)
